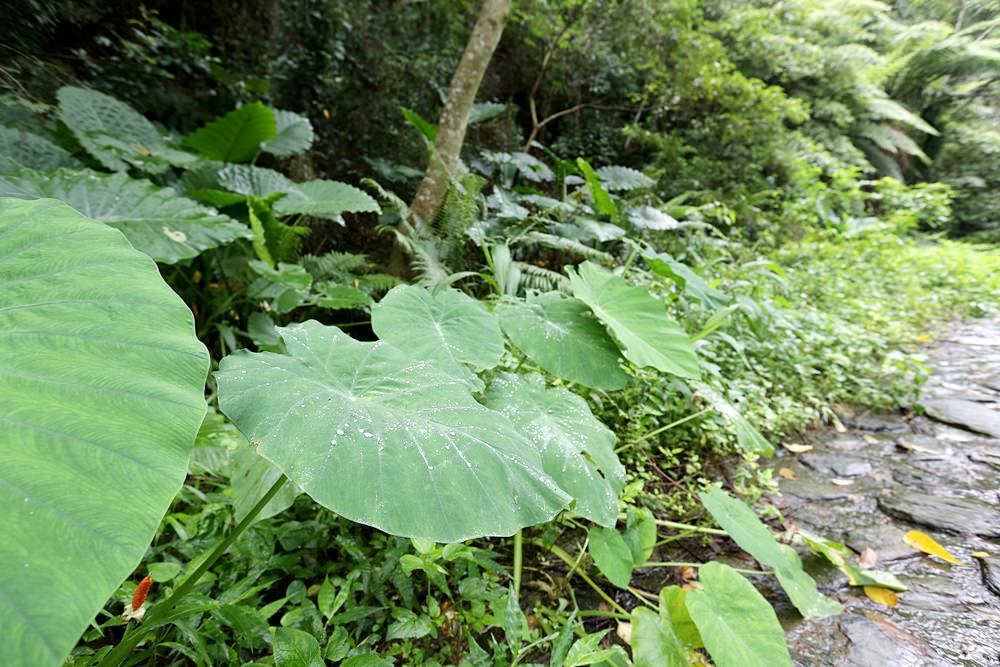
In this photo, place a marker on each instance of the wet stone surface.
(887, 474)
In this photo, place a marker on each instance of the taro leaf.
(577, 450)
(339, 297)
(484, 111)
(447, 327)
(562, 336)
(23, 150)
(615, 178)
(295, 648)
(611, 554)
(155, 220)
(835, 552)
(748, 438)
(740, 522)
(95, 349)
(654, 642)
(325, 199)
(237, 136)
(386, 440)
(251, 477)
(689, 281)
(252, 181)
(640, 533)
(673, 608)
(110, 130)
(294, 134)
(599, 231)
(602, 201)
(648, 217)
(290, 275)
(739, 627)
(637, 319)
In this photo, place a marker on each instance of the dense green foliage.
(665, 250)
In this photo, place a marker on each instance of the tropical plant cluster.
(255, 414)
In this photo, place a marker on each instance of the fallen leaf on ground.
(624, 632)
(909, 446)
(883, 596)
(787, 473)
(838, 427)
(928, 545)
(870, 439)
(868, 558)
(980, 554)
(925, 338)
(841, 482)
(797, 449)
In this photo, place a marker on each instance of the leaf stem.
(679, 564)
(660, 430)
(687, 526)
(566, 558)
(518, 561)
(134, 634)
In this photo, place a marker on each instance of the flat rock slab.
(990, 569)
(965, 516)
(967, 414)
(881, 643)
(885, 539)
(837, 464)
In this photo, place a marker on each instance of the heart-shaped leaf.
(102, 395)
(654, 642)
(740, 522)
(326, 199)
(611, 554)
(155, 220)
(737, 624)
(563, 337)
(237, 136)
(638, 320)
(23, 150)
(577, 450)
(384, 439)
(447, 327)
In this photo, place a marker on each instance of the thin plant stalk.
(518, 562)
(135, 634)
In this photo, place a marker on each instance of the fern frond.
(334, 265)
(542, 279)
(378, 282)
(566, 245)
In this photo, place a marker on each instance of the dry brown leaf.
(787, 473)
(883, 596)
(928, 545)
(688, 573)
(841, 482)
(868, 558)
(797, 449)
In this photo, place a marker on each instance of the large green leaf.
(326, 199)
(742, 524)
(637, 319)
(385, 439)
(110, 130)
(23, 150)
(577, 450)
(155, 220)
(737, 624)
(102, 396)
(252, 181)
(611, 554)
(294, 134)
(446, 327)
(562, 336)
(237, 136)
(615, 178)
(654, 641)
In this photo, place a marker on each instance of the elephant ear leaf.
(236, 137)
(384, 438)
(102, 395)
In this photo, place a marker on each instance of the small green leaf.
(295, 648)
(748, 438)
(654, 642)
(858, 577)
(690, 282)
(600, 197)
(237, 136)
(637, 319)
(640, 533)
(514, 622)
(738, 626)
(163, 571)
(410, 626)
(611, 554)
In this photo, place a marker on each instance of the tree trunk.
(455, 117)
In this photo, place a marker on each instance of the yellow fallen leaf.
(838, 427)
(842, 482)
(787, 473)
(797, 449)
(980, 554)
(928, 545)
(925, 338)
(870, 439)
(883, 596)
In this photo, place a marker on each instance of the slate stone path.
(938, 473)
